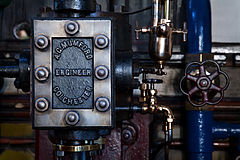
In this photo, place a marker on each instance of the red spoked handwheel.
(203, 83)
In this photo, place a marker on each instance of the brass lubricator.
(161, 32)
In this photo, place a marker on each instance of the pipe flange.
(80, 148)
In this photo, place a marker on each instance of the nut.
(72, 118)
(41, 74)
(101, 72)
(71, 27)
(102, 104)
(41, 42)
(42, 104)
(101, 41)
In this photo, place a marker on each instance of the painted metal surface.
(199, 26)
(114, 149)
(199, 135)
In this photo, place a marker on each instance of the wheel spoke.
(214, 75)
(193, 90)
(202, 71)
(205, 96)
(216, 88)
(192, 78)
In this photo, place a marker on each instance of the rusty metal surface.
(140, 149)
(43, 146)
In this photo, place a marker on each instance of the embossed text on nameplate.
(72, 67)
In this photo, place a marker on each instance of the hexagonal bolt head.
(41, 42)
(101, 72)
(72, 118)
(101, 41)
(41, 74)
(71, 27)
(42, 104)
(102, 104)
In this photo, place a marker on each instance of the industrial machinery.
(119, 79)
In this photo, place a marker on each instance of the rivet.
(41, 104)
(102, 104)
(41, 74)
(71, 27)
(101, 72)
(41, 42)
(72, 118)
(101, 41)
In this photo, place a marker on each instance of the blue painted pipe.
(199, 135)
(199, 26)
(222, 130)
(199, 123)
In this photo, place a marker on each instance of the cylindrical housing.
(160, 48)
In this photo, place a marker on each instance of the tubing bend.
(199, 135)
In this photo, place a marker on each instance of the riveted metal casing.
(71, 61)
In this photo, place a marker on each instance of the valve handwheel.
(203, 83)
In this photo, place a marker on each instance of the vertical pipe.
(199, 135)
(199, 123)
(156, 10)
(199, 26)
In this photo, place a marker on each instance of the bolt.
(71, 27)
(102, 104)
(126, 136)
(101, 41)
(204, 83)
(41, 104)
(101, 72)
(41, 73)
(41, 42)
(129, 135)
(72, 118)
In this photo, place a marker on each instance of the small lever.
(183, 31)
(140, 30)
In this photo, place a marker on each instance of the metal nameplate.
(72, 62)
(72, 73)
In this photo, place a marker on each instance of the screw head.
(102, 104)
(71, 27)
(41, 74)
(101, 72)
(72, 118)
(41, 104)
(203, 83)
(41, 42)
(101, 41)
